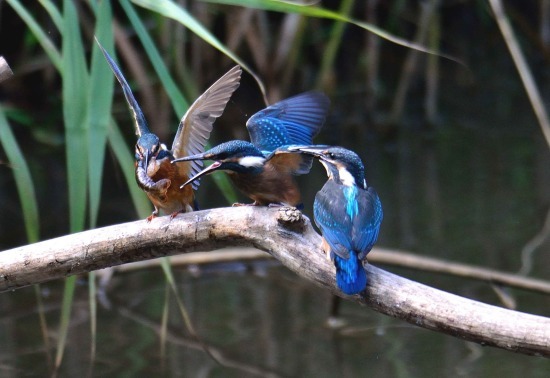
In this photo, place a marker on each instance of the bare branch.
(289, 237)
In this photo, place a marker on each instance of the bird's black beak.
(317, 150)
(206, 171)
(203, 156)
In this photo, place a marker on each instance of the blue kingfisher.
(348, 213)
(262, 169)
(159, 179)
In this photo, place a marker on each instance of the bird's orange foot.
(326, 248)
(175, 214)
(153, 215)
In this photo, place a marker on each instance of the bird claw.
(153, 215)
(174, 214)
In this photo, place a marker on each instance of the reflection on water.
(269, 323)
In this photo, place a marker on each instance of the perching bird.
(259, 169)
(160, 179)
(348, 213)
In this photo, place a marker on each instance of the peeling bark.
(289, 237)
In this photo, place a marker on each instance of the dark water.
(463, 194)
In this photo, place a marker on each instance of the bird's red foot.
(175, 214)
(153, 214)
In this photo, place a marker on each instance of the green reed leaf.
(23, 179)
(100, 98)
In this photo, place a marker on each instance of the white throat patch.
(346, 178)
(252, 161)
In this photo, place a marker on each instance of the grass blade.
(68, 295)
(75, 83)
(522, 67)
(318, 12)
(38, 32)
(179, 103)
(171, 10)
(334, 42)
(53, 12)
(100, 98)
(124, 157)
(23, 180)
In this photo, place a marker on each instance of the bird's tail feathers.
(351, 277)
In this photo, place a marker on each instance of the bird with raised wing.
(155, 174)
(258, 168)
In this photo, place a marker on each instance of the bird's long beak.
(202, 156)
(315, 150)
(211, 168)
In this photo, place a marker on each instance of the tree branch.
(289, 237)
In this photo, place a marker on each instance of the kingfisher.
(262, 169)
(347, 211)
(155, 175)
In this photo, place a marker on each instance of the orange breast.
(173, 199)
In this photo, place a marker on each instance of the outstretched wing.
(139, 118)
(196, 125)
(295, 120)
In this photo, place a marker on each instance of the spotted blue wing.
(295, 120)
